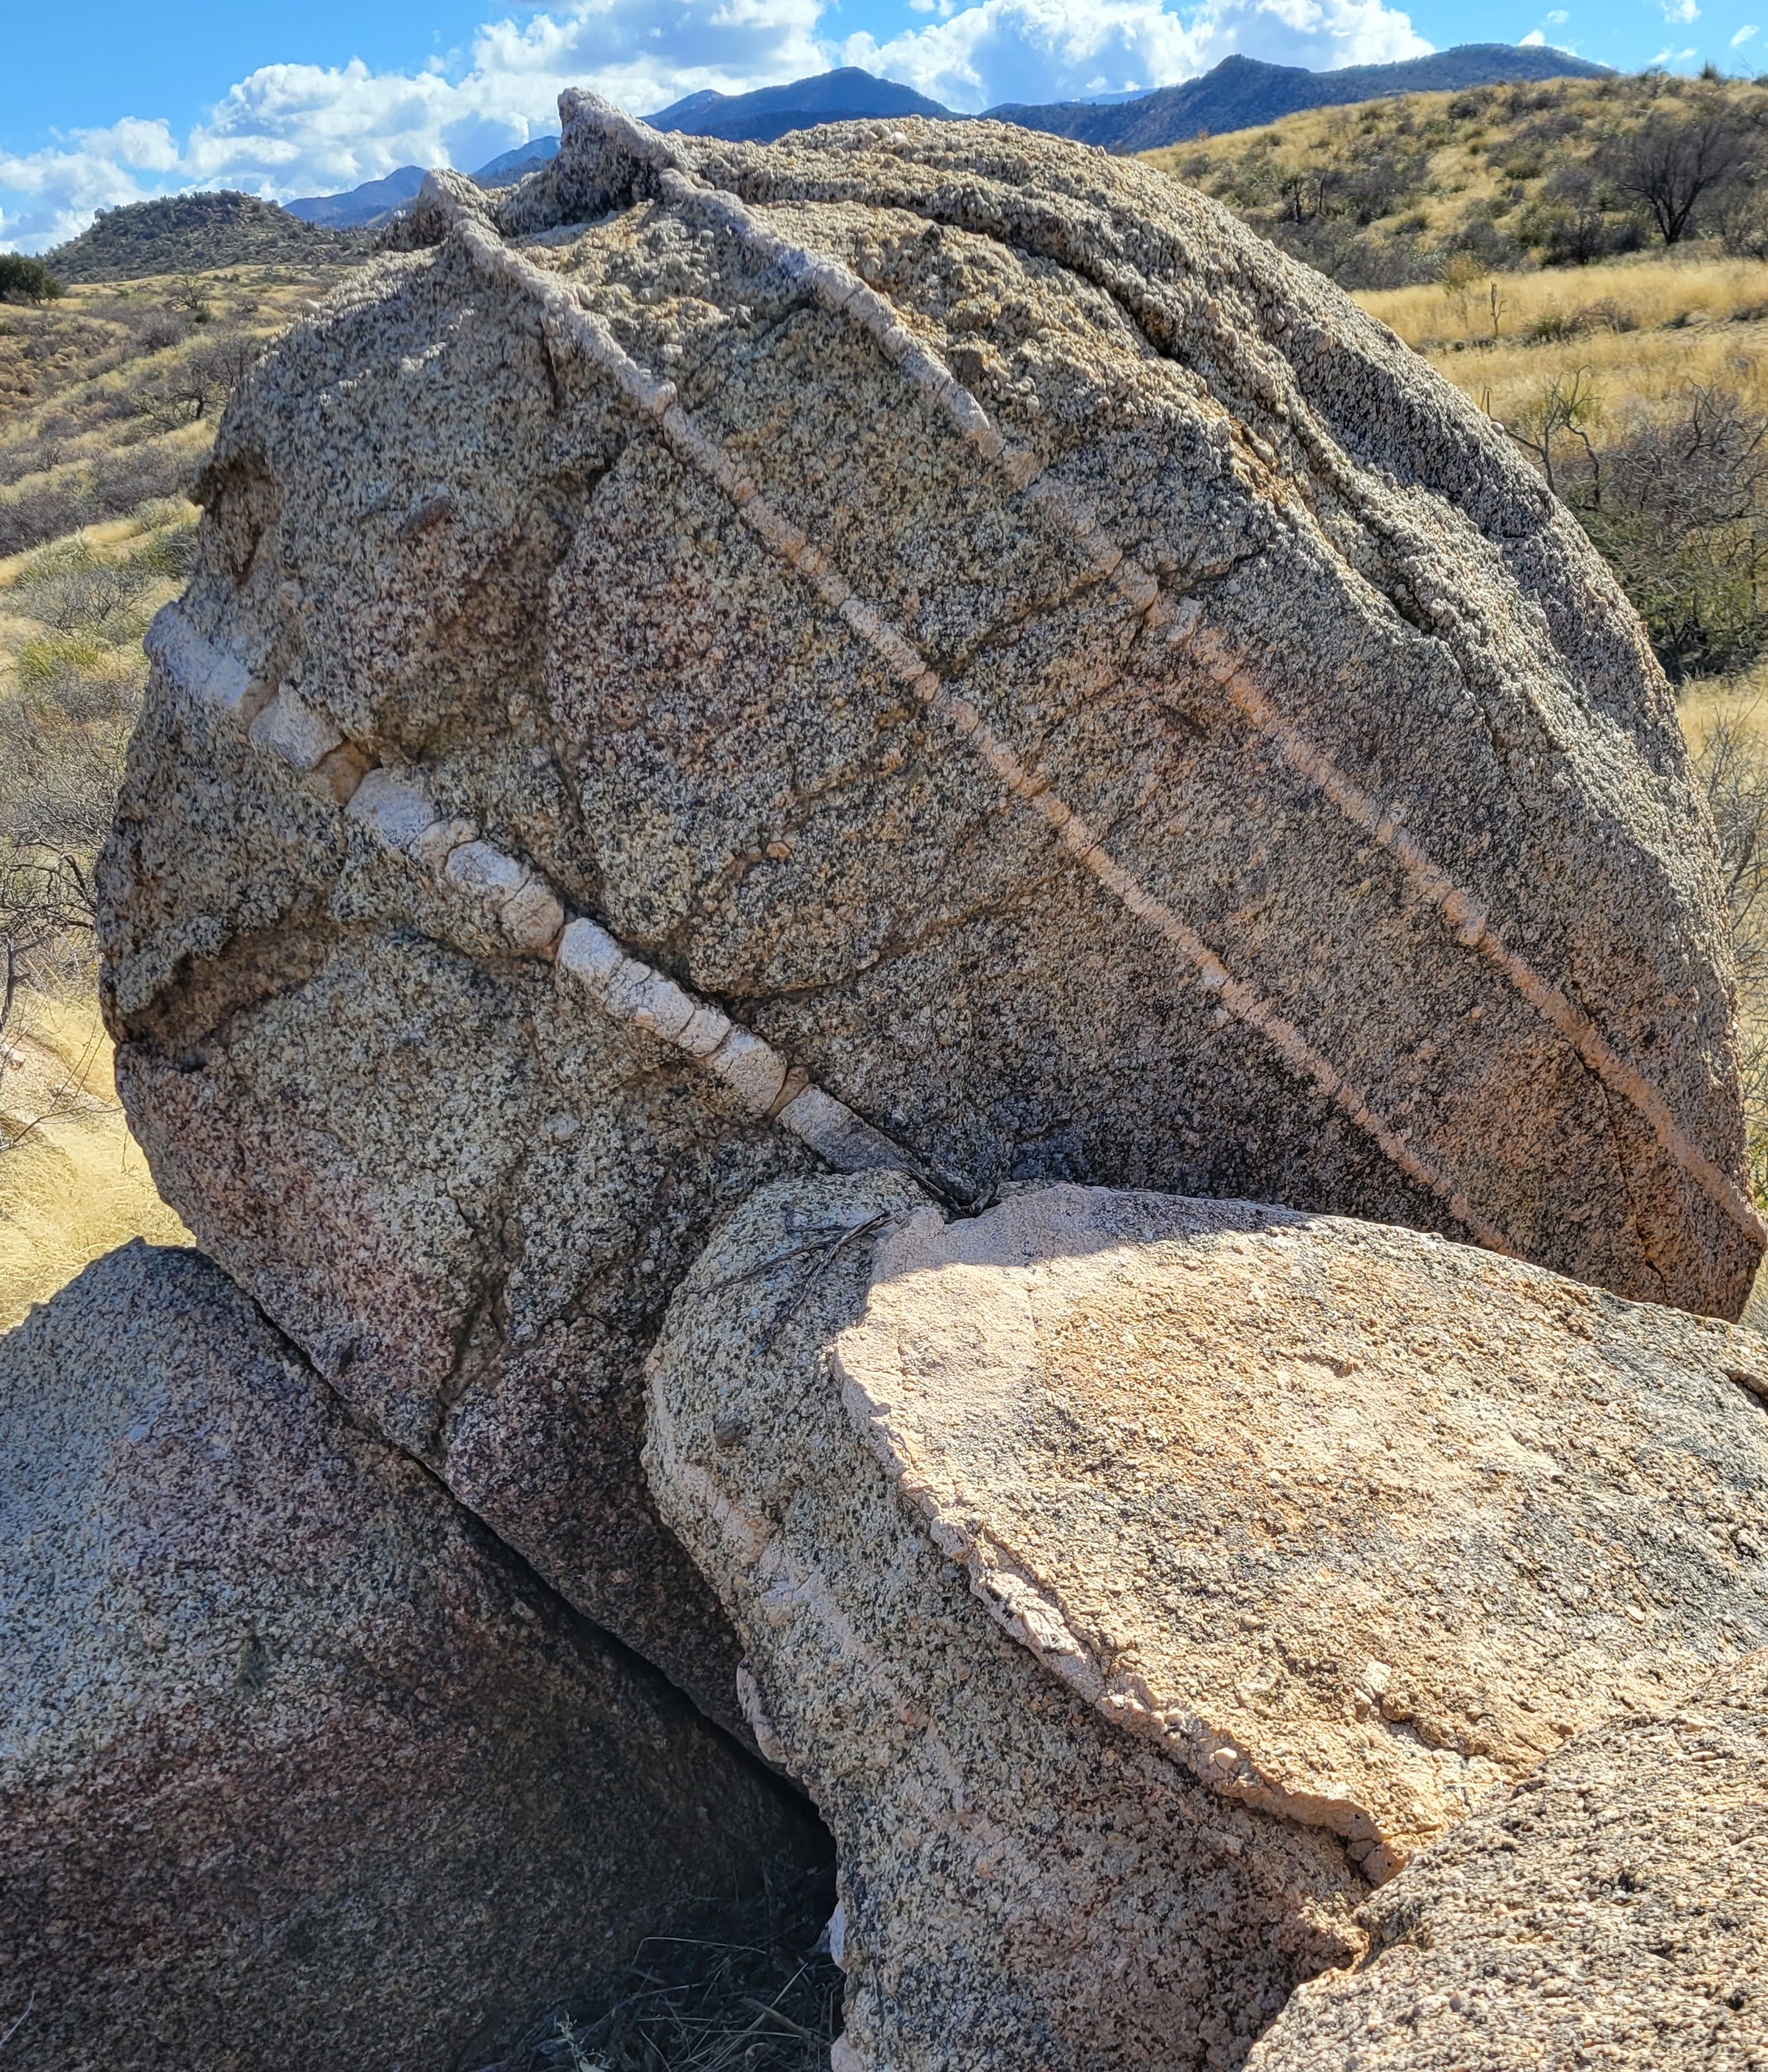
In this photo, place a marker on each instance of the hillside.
(194, 233)
(1552, 172)
(1241, 92)
(108, 400)
(360, 206)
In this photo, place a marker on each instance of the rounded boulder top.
(918, 643)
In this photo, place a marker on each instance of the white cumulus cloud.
(1680, 10)
(1750, 29)
(1050, 50)
(1533, 41)
(291, 129)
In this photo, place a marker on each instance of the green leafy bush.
(27, 279)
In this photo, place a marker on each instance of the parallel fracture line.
(841, 291)
(394, 805)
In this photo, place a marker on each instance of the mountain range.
(1240, 93)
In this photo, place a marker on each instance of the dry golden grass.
(73, 1183)
(77, 1188)
(1688, 284)
(1698, 319)
(1742, 700)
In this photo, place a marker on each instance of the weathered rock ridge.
(1613, 1909)
(297, 1766)
(956, 627)
(1349, 1528)
(1360, 1523)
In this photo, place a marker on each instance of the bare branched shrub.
(1563, 413)
(109, 487)
(63, 736)
(200, 380)
(69, 585)
(1677, 502)
(1670, 162)
(1731, 769)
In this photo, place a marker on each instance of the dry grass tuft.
(737, 1987)
(1641, 329)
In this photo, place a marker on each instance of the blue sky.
(115, 100)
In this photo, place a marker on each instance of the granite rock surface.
(1613, 1909)
(297, 1767)
(1021, 1884)
(1362, 1524)
(914, 643)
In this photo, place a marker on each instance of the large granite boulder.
(297, 1767)
(1021, 1884)
(1613, 1909)
(915, 644)
(1109, 1544)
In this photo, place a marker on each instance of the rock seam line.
(394, 804)
(570, 326)
(839, 289)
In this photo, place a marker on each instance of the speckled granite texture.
(1021, 1884)
(1359, 1524)
(298, 1768)
(1612, 1910)
(1130, 1579)
(999, 668)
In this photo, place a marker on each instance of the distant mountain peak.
(847, 94)
(1240, 93)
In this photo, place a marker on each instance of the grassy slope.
(198, 233)
(1381, 192)
(98, 423)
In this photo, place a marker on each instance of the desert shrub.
(1673, 162)
(1552, 327)
(43, 511)
(80, 594)
(59, 775)
(62, 737)
(1477, 237)
(1731, 769)
(1677, 502)
(27, 280)
(1353, 258)
(200, 380)
(110, 486)
(1740, 216)
(1382, 183)
(170, 550)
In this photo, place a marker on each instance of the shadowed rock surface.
(1612, 1910)
(297, 1766)
(1021, 1884)
(1080, 697)
(1362, 1524)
